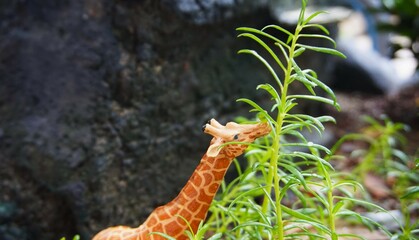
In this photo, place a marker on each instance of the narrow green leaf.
(307, 145)
(318, 36)
(190, 235)
(253, 30)
(337, 207)
(323, 50)
(300, 74)
(351, 235)
(293, 116)
(289, 105)
(258, 210)
(351, 137)
(346, 192)
(228, 212)
(289, 39)
(283, 51)
(312, 16)
(313, 175)
(188, 224)
(251, 103)
(305, 234)
(313, 157)
(216, 236)
(326, 119)
(303, 5)
(304, 81)
(305, 219)
(302, 13)
(371, 121)
(351, 183)
(252, 224)
(295, 124)
(294, 133)
(272, 91)
(411, 193)
(311, 119)
(296, 173)
(298, 193)
(267, 48)
(278, 28)
(299, 51)
(315, 98)
(257, 108)
(239, 197)
(290, 127)
(275, 106)
(400, 155)
(362, 202)
(319, 26)
(309, 74)
(268, 195)
(299, 125)
(299, 215)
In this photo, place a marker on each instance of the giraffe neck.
(193, 201)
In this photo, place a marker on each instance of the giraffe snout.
(205, 125)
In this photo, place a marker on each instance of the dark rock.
(210, 11)
(101, 104)
(12, 233)
(7, 210)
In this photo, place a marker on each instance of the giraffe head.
(233, 132)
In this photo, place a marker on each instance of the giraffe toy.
(192, 203)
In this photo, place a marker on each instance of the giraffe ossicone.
(192, 203)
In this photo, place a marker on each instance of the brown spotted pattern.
(192, 203)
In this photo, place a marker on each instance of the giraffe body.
(194, 199)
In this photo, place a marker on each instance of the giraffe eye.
(236, 137)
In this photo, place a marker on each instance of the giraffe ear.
(214, 148)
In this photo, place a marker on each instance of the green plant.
(285, 167)
(384, 157)
(408, 202)
(383, 140)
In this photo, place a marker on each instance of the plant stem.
(273, 177)
(330, 204)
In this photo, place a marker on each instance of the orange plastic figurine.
(194, 199)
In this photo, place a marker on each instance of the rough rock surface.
(212, 11)
(101, 105)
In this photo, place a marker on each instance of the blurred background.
(102, 101)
